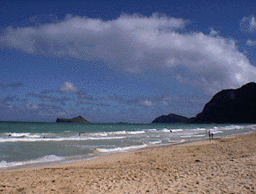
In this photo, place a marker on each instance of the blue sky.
(113, 61)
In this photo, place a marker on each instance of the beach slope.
(226, 165)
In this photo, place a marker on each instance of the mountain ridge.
(230, 106)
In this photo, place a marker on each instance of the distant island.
(227, 106)
(171, 118)
(78, 119)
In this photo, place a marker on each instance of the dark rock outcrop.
(230, 106)
(78, 119)
(171, 118)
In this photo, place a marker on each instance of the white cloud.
(251, 42)
(69, 87)
(147, 103)
(136, 44)
(31, 106)
(248, 23)
(213, 32)
(165, 103)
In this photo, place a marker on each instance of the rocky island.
(171, 118)
(78, 119)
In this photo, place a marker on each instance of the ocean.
(31, 143)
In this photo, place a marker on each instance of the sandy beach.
(226, 165)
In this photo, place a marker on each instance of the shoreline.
(79, 150)
(79, 158)
(221, 165)
(85, 160)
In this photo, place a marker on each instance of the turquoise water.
(24, 143)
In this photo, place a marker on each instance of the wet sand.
(226, 165)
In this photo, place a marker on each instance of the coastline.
(217, 166)
(90, 158)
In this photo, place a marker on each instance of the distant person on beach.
(80, 133)
(210, 134)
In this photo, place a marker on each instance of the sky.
(121, 61)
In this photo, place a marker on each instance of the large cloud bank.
(138, 44)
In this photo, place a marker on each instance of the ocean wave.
(186, 136)
(216, 132)
(121, 149)
(25, 139)
(117, 133)
(200, 135)
(165, 130)
(176, 141)
(171, 130)
(44, 159)
(17, 135)
(135, 132)
(176, 130)
(155, 142)
(151, 130)
(99, 134)
(232, 127)
(199, 129)
(189, 135)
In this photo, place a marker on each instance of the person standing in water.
(210, 134)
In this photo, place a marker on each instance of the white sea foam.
(99, 134)
(135, 132)
(188, 135)
(117, 133)
(232, 127)
(172, 141)
(18, 135)
(176, 130)
(201, 135)
(177, 141)
(216, 132)
(120, 149)
(103, 138)
(151, 130)
(34, 136)
(155, 142)
(165, 130)
(44, 159)
(199, 129)
(74, 138)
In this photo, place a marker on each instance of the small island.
(78, 119)
(171, 118)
